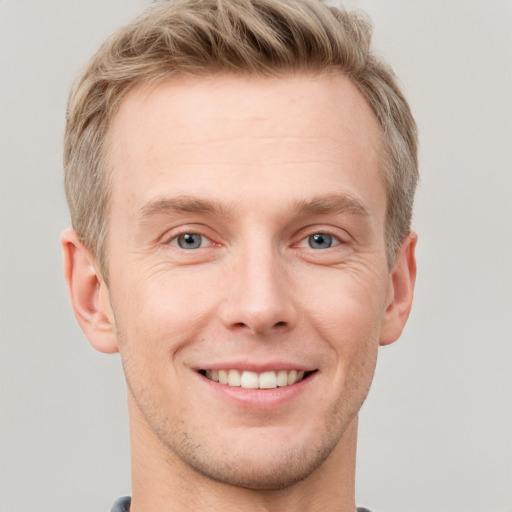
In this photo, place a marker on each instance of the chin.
(263, 465)
(279, 472)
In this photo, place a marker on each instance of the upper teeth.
(254, 380)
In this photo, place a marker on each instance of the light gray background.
(436, 431)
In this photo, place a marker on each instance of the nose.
(258, 297)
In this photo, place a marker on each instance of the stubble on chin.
(185, 447)
(248, 467)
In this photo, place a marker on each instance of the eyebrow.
(321, 205)
(331, 204)
(182, 204)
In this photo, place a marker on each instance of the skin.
(255, 167)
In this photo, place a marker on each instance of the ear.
(402, 279)
(88, 293)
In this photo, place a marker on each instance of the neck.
(161, 482)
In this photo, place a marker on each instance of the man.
(240, 176)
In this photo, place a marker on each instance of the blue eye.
(320, 241)
(189, 241)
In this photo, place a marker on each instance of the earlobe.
(402, 280)
(88, 293)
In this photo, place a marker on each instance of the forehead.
(238, 131)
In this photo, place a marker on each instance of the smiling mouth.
(254, 380)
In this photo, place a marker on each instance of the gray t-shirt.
(123, 505)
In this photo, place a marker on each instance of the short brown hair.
(263, 37)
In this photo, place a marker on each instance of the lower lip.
(259, 399)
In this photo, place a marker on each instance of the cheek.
(347, 312)
(157, 315)
(349, 301)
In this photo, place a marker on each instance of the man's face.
(246, 242)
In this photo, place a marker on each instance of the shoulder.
(122, 504)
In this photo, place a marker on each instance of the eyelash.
(304, 242)
(175, 240)
(307, 240)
